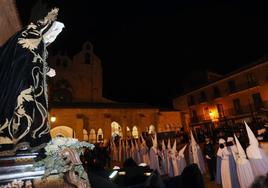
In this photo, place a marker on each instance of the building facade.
(9, 20)
(79, 110)
(236, 97)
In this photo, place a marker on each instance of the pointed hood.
(136, 144)
(163, 145)
(230, 139)
(193, 142)
(120, 144)
(252, 139)
(253, 150)
(221, 141)
(132, 143)
(241, 153)
(174, 147)
(127, 145)
(142, 139)
(155, 141)
(181, 152)
(169, 145)
(123, 144)
(114, 146)
(220, 150)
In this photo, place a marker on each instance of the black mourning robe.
(23, 92)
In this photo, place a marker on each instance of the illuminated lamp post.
(212, 115)
(53, 119)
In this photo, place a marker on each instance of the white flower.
(51, 149)
(59, 141)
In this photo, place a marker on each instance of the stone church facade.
(79, 109)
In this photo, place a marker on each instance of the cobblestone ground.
(210, 184)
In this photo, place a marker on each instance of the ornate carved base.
(18, 169)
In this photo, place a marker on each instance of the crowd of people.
(232, 161)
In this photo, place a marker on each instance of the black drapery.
(23, 91)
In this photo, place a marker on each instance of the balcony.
(199, 119)
(228, 112)
(239, 111)
(242, 87)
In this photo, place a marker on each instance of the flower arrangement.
(59, 161)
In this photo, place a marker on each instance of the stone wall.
(9, 20)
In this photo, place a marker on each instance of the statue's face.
(53, 32)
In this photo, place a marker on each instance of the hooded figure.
(154, 162)
(195, 155)
(133, 151)
(144, 152)
(23, 86)
(115, 152)
(257, 158)
(174, 159)
(244, 170)
(232, 149)
(164, 156)
(137, 154)
(181, 160)
(219, 158)
(224, 171)
(124, 157)
(127, 150)
(169, 160)
(120, 151)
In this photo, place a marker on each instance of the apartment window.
(203, 96)
(216, 92)
(257, 101)
(237, 106)
(232, 86)
(220, 110)
(191, 100)
(193, 115)
(251, 79)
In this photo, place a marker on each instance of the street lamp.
(53, 119)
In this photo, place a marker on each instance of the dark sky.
(147, 47)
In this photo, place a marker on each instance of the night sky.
(148, 47)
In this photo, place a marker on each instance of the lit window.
(85, 135)
(92, 136)
(152, 129)
(116, 129)
(135, 132)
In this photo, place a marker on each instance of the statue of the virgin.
(24, 121)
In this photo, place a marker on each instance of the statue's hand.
(51, 72)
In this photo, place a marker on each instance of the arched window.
(116, 129)
(135, 132)
(92, 136)
(152, 129)
(85, 135)
(100, 135)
